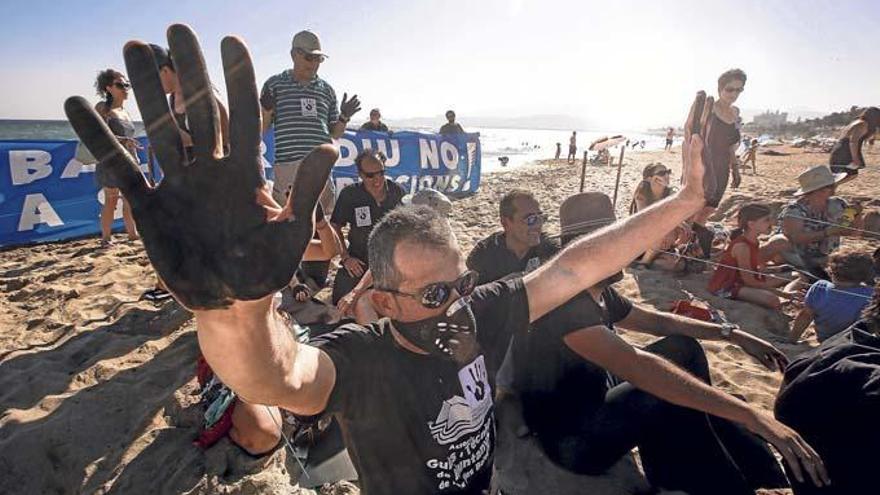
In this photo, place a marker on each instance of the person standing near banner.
(451, 126)
(113, 87)
(302, 110)
(375, 123)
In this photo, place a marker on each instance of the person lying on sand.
(589, 397)
(413, 391)
(841, 375)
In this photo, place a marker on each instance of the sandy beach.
(98, 389)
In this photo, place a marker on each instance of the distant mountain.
(548, 121)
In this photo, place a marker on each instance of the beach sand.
(97, 389)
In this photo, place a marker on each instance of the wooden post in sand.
(617, 182)
(583, 173)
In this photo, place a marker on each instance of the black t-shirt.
(369, 126)
(491, 258)
(560, 389)
(831, 396)
(360, 211)
(417, 424)
(453, 128)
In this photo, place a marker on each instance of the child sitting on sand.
(739, 274)
(834, 306)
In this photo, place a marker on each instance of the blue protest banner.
(47, 195)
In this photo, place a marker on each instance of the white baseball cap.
(307, 42)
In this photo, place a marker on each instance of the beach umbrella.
(606, 142)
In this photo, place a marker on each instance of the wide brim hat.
(585, 212)
(817, 177)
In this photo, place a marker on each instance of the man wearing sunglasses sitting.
(520, 247)
(360, 206)
(413, 391)
(301, 109)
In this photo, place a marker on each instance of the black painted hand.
(205, 233)
(349, 106)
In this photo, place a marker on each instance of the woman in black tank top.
(113, 86)
(846, 155)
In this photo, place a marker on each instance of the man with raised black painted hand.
(302, 110)
(413, 391)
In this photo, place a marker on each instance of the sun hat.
(583, 213)
(431, 198)
(307, 42)
(817, 177)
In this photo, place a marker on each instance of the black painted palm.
(203, 230)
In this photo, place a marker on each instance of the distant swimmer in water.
(846, 155)
(503, 160)
(572, 147)
(558, 151)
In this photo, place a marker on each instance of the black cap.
(163, 58)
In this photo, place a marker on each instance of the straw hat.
(583, 213)
(815, 178)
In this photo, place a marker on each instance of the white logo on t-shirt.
(362, 216)
(309, 107)
(532, 264)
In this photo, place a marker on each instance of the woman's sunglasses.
(662, 173)
(122, 85)
(434, 295)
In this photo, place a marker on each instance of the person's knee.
(254, 431)
(687, 353)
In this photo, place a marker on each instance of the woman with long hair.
(654, 187)
(113, 87)
(846, 155)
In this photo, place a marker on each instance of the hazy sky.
(619, 63)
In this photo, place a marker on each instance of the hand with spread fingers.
(349, 106)
(207, 235)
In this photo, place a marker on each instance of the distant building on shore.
(771, 120)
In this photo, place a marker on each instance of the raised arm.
(221, 253)
(588, 260)
(856, 133)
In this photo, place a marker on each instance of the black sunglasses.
(730, 89)
(662, 173)
(122, 85)
(370, 175)
(434, 295)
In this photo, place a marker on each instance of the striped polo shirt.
(303, 114)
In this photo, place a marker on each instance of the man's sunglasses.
(533, 219)
(311, 57)
(434, 295)
(730, 89)
(370, 175)
(122, 85)
(662, 173)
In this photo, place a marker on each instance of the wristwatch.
(727, 330)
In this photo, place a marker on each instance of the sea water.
(520, 146)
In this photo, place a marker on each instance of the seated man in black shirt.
(832, 395)
(375, 123)
(413, 391)
(582, 391)
(360, 206)
(521, 247)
